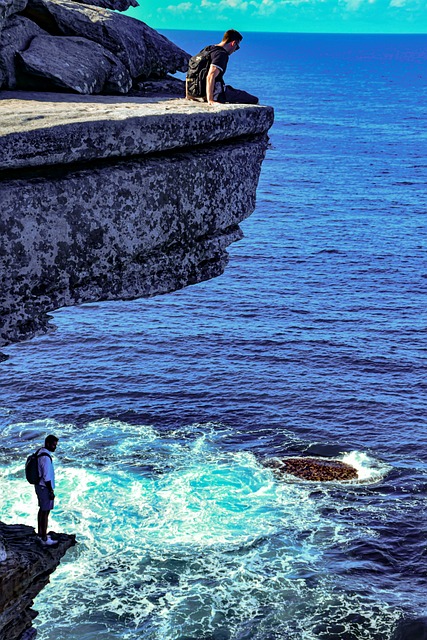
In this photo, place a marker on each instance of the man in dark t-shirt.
(216, 90)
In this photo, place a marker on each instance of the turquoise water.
(312, 342)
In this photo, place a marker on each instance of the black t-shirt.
(219, 58)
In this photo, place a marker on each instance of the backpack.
(198, 68)
(32, 467)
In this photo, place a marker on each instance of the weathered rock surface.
(143, 51)
(23, 573)
(40, 129)
(9, 7)
(16, 35)
(75, 64)
(144, 224)
(317, 469)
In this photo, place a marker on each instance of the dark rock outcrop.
(116, 5)
(25, 567)
(9, 7)
(317, 469)
(86, 49)
(16, 35)
(143, 51)
(75, 64)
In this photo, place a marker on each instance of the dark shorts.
(45, 503)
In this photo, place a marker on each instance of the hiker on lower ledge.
(205, 76)
(40, 472)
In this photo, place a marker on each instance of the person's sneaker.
(48, 542)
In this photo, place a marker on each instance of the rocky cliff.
(109, 198)
(25, 567)
(104, 197)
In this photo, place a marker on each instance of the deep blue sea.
(312, 342)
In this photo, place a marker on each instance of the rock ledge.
(24, 571)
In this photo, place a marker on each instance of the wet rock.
(142, 50)
(23, 574)
(316, 469)
(16, 35)
(75, 64)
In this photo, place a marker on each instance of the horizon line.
(311, 33)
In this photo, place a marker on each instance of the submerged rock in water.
(317, 469)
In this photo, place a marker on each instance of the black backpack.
(198, 68)
(32, 466)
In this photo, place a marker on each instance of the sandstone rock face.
(23, 574)
(136, 226)
(9, 7)
(16, 35)
(76, 64)
(142, 50)
(317, 469)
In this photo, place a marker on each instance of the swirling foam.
(181, 538)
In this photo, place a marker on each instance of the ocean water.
(312, 342)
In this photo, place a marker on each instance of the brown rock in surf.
(316, 469)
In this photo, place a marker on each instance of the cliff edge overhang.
(106, 197)
(25, 567)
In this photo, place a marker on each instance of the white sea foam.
(178, 537)
(369, 469)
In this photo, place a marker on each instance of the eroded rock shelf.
(109, 198)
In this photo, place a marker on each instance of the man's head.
(231, 41)
(50, 442)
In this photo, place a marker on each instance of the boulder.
(317, 469)
(75, 64)
(9, 7)
(16, 35)
(141, 49)
(116, 5)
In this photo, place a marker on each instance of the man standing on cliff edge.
(205, 77)
(45, 488)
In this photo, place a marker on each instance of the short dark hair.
(231, 35)
(50, 439)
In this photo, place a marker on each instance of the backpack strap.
(43, 454)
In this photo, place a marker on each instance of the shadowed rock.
(24, 571)
(16, 35)
(9, 7)
(316, 469)
(117, 5)
(141, 49)
(168, 86)
(75, 64)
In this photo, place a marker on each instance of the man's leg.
(237, 96)
(42, 520)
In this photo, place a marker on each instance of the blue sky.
(327, 16)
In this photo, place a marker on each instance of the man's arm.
(50, 489)
(210, 83)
